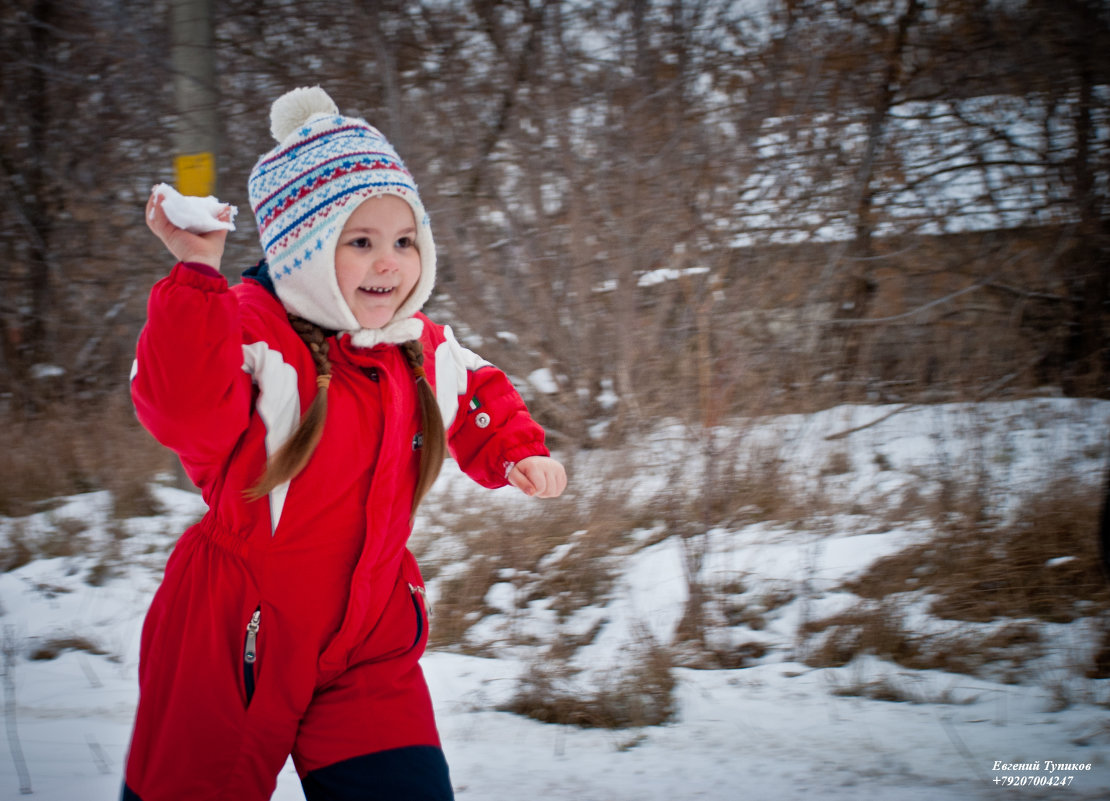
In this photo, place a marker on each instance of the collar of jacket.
(260, 274)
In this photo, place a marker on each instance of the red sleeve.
(492, 429)
(188, 385)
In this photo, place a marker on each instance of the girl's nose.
(385, 263)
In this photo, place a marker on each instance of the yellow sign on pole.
(195, 174)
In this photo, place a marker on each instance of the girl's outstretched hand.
(185, 246)
(539, 476)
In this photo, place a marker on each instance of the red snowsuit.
(292, 624)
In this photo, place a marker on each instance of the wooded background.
(643, 208)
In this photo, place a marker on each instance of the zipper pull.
(423, 595)
(250, 652)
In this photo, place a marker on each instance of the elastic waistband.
(210, 530)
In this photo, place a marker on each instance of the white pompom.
(293, 109)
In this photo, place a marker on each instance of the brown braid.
(317, 340)
(294, 454)
(434, 449)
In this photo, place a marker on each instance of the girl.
(291, 618)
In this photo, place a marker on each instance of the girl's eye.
(361, 242)
(405, 242)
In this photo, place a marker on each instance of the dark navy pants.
(416, 773)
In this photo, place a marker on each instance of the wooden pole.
(196, 136)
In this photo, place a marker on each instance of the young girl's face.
(376, 260)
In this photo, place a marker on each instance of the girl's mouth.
(376, 290)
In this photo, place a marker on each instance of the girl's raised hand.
(539, 476)
(205, 248)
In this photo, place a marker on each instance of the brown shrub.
(638, 693)
(866, 629)
(520, 547)
(1041, 566)
(1045, 564)
(877, 629)
(53, 647)
(889, 688)
(60, 453)
(17, 552)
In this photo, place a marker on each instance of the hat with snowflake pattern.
(302, 193)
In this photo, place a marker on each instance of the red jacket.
(221, 378)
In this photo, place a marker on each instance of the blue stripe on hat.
(379, 161)
(269, 240)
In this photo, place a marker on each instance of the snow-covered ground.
(775, 730)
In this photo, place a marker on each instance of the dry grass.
(640, 692)
(17, 551)
(65, 537)
(110, 558)
(1044, 564)
(877, 629)
(995, 582)
(1041, 568)
(866, 629)
(61, 453)
(62, 537)
(54, 647)
(756, 487)
(560, 552)
(712, 610)
(1100, 665)
(897, 690)
(567, 552)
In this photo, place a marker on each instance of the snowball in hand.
(197, 215)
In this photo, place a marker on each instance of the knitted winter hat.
(302, 193)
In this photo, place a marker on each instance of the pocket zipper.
(421, 614)
(417, 590)
(250, 653)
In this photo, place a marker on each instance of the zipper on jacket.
(414, 591)
(423, 593)
(250, 653)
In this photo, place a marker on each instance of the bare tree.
(644, 208)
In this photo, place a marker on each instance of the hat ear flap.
(293, 109)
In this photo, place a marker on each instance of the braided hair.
(434, 449)
(295, 452)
